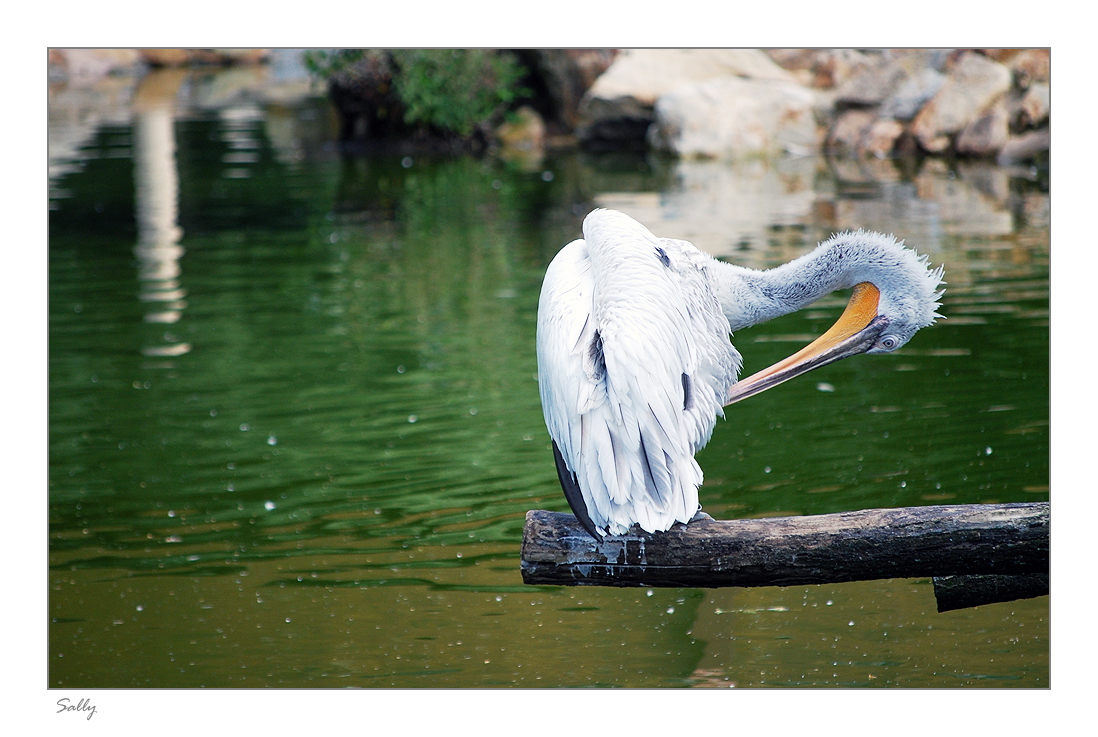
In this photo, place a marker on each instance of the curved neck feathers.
(749, 297)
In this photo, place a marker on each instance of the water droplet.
(269, 505)
(547, 176)
(407, 162)
(245, 427)
(766, 469)
(412, 419)
(649, 593)
(823, 386)
(670, 610)
(400, 369)
(987, 450)
(272, 440)
(850, 623)
(829, 602)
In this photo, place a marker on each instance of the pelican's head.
(895, 295)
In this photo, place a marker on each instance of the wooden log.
(943, 540)
(960, 592)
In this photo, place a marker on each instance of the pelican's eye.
(888, 343)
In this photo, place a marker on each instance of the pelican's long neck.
(749, 297)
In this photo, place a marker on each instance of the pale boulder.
(845, 136)
(646, 74)
(881, 137)
(908, 99)
(1035, 105)
(971, 86)
(860, 133)
(619, 106)
(1030, 66)
(731, 117)
(987, 133)
(1025, 147)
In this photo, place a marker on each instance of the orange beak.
(854, 332)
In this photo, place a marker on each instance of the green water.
(294, 444)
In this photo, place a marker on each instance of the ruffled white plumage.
(633, 361)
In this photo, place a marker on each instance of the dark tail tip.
(573, 494)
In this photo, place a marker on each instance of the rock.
(85, 66)
(166, 57)
(621, 121)
(821, 68)
(881, 138)
(565, 76)
(1035, 105)
(877, 83)
(971, 86)
(731, 117)
(860, 132)
(1029, 66)
(800, 63)
(986, 134)
(845, 136)
(363, 96)
(1025, 147)
(523, 136)
(619, 107)
(834, 66)
(872, 85)
(908, 99)
(1002, 56)
(184, 57)
(241, 56)
(645, 74)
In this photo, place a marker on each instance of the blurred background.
(294, 425)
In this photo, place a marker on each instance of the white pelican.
(635, 363)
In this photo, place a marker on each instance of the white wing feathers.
(633, 360)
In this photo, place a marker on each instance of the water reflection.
(156, 189)
(727, 209)
(333, 491)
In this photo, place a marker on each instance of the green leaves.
(449, 90)
(454, 89)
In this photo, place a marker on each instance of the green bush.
(450, 90)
